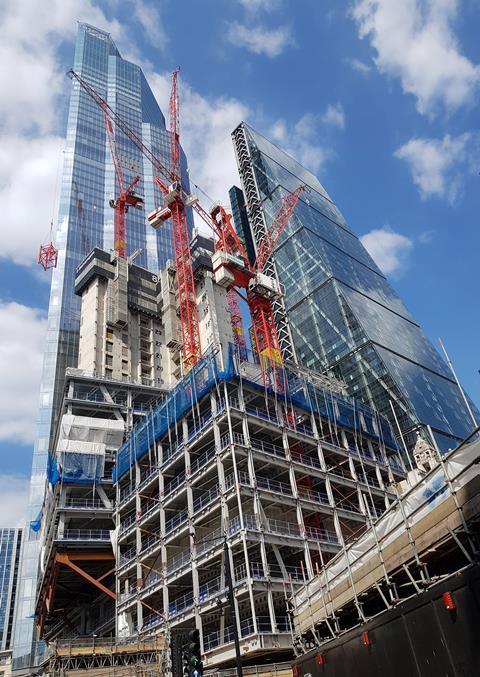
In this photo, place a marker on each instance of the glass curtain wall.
(343, 314)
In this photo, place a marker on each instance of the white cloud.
(30, 70)
(257, 5)
(388, 249)
(259, 40)
(35, 87)
(359, 66)
(21, 354)
(148, 16)
(13, 501)
(28, 173)
(415, 42)
(301, 141)
(334, 115)
(437, 165)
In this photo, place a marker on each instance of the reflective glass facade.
(85, 221)
(342, 313)
(10, 548)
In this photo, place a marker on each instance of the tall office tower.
(10, 548)
(338, 311)
(85, 220)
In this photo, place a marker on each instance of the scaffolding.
(284, 479)
(104, 657)
(76, 584)
(428, 534)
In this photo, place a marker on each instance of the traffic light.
(196, 666)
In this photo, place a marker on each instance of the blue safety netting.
(36, 524)
(199, 381)
(81, 468)
(52, 470)
(205, 375)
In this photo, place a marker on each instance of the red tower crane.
(175, 201)
(174, 208)
(126, 198)
(232, 268)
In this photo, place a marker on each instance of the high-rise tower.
(85, 220)
(338, 311)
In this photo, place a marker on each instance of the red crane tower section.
(126, 198)
(48, 256)
(187, 299)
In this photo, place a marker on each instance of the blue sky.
(378, 97)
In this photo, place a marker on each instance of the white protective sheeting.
(459, 466)
(88, 429)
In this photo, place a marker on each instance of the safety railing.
(209, 542)
(127, 523)
(152, 578)
(149, 541)
(149, 508)
(304, 459)
(322, 535)
(264, 414)
(274, 486)
(313, 495)
(221, 404)
(125, 493)
(127, 556)
(172, 452)
(300, 428)
(180, 604)
(267, 447)
(340, 472)
(148, 475)
(177, 481)
(203, 459)
(176, 521)
(151, 621)
(238, 438)
(125, 596)
(85, 535)
(200, 425)
(209, 589)
(179, 561)
(283, 528)
(367, 479)
(206, 498)
(216, 638)
(84, 503)
(294, 573)
(243, 478)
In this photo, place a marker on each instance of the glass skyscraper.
(85, 220)
(10, 548)
(338, 312)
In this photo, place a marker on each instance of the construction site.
(200, 479)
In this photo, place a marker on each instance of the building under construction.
(277, 480)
